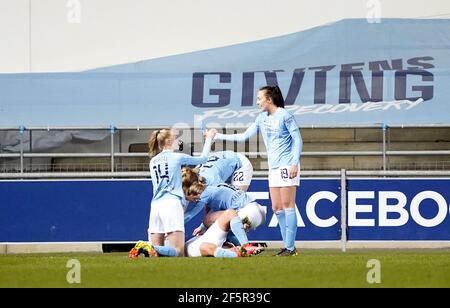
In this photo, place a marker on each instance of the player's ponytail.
(274, 92)
(157, 141)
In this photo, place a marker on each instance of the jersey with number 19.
(281, 137)
(283, 143)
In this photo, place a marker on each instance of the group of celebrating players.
(217, 183)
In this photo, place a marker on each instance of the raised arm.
(250, 132)
(203, 158)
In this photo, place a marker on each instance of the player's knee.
(230, 214)
(285, 204)
(207, 221)
(180, 251)
(277, 206)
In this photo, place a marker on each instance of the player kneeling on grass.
(166, 210)
(210, 243)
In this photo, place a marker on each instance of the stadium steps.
(315, 140)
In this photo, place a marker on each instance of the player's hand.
(198, 231)
(293, 172)
(211, 133)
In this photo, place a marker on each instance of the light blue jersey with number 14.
(165, 169)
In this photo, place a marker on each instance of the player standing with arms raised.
(167, 212)
(284, 144)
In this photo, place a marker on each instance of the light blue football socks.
(224, 253)
(281, 217)
(238, 230)
(166, 251)
(291, 228)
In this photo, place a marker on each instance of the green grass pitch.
(311, 268)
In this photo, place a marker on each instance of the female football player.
(283, 142)
(166, 213)
(210, 243)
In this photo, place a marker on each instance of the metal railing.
(257, 174)
(114, 168)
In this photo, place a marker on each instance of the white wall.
(120, 31)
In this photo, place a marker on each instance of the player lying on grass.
(208, 244)
(217, 199)
(236, 207)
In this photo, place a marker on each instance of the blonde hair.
(157, 141)
(189, 177)
(195, 189)
(193, 183)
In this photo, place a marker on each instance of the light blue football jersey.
(223, 197)
(281, 137)
(220, 167)
(165, 169)
(218, 198)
